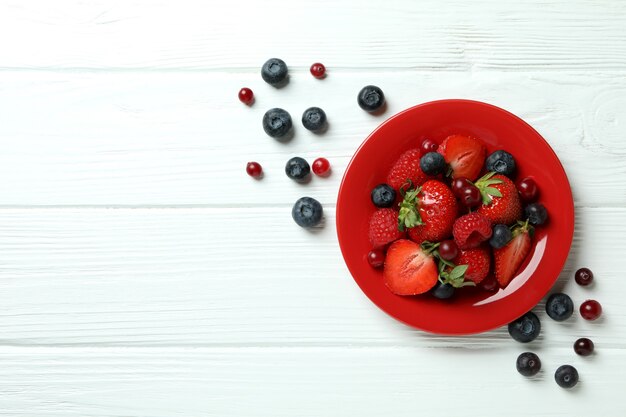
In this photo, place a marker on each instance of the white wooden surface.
(142, 273)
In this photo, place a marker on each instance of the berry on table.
(583, 346)
(448, 250)
(528, 190)
(277, 122)
(371, 98)
(376, 258)
(318, 70)
(566, 376)
(528, 364)
(536, 213)
(501, 162)
(314, 119)
(590, 310)
(583, 276)
(501, 236)
(321, 167)
(246, 96)
(254, 169)
(383, 195)
(442, 291)
(428, 145)
(470, 196)
(526, 328)
(297, 168)
(559, 306)
(432, 163)
(274, 71)
(307, 212)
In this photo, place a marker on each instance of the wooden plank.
(302, 381)
(184, 139)
(550, 35)
(234, 277)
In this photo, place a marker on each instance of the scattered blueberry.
(383, 195)
(536, 213)
(526, 328)
(559, 306)
(566, 376)
(432, 163)
(442, 291)
(307, 212)
(314, 118)
(276, 122)
(274, 71)
(528, 364)
(501, 236)
(371, 98)
(501, 162)
(297, 168)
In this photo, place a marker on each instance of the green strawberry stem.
(409, 215)
(449, 273)
(484, 186)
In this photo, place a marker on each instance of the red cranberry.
(429, 145)
(254, 169)
(376, 258)
(528, 190)
(246, 96)
(583, 276)
(318, 70)
(590, 310)
(321, 166)
(448, 250)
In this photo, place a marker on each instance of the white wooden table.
(143, 273)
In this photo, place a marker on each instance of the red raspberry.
(383, 227)
(471, 230)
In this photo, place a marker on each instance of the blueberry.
(559, 306)
(314, 118)
(383, 195)
(528, 364)
(307, 212)
(501, 162)
(274, 71)
(442, 291)
(432, 163)
(536, 213)
(371, 98)
(526, 328)
(297, 168)
(501, 236)
(566, 376)
(276, 122)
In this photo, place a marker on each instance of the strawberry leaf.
(409, 215)
(493, 191)
(458, 272)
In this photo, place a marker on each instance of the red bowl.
(471, 310)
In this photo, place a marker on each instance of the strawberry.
(464, 154)
(501, 202)
(428, 211)
(409, 270)
(509, 258)
(470, 230)
(383, 227)
(406, 167)
(478, 261)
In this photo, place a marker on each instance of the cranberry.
(321, 166)
(318, 70)
(458, 185)
(376, 258)
(470, 196)
(429, 145)
(528, 190)
(489, 284)
(583, 276)
(448, 250)
(590, 310)
(246, 96)
(254, 169)
(583, 346)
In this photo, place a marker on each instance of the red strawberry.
(408, 269)
(383, 227)
(501, 202)
(407, 167)
(509, 258)
(478, 261)
(470, 230)
(464, 154)
(428, 212)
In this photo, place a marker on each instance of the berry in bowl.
(455, 217)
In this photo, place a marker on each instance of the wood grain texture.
(183, 139)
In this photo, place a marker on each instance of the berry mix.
(448, 216)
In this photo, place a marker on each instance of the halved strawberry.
(501, 202)
(428, 212)
(478, 261)
(407, 167)
(509, 258)
(470, 230)
(383, 227)
(408, 269)
(464, 154)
